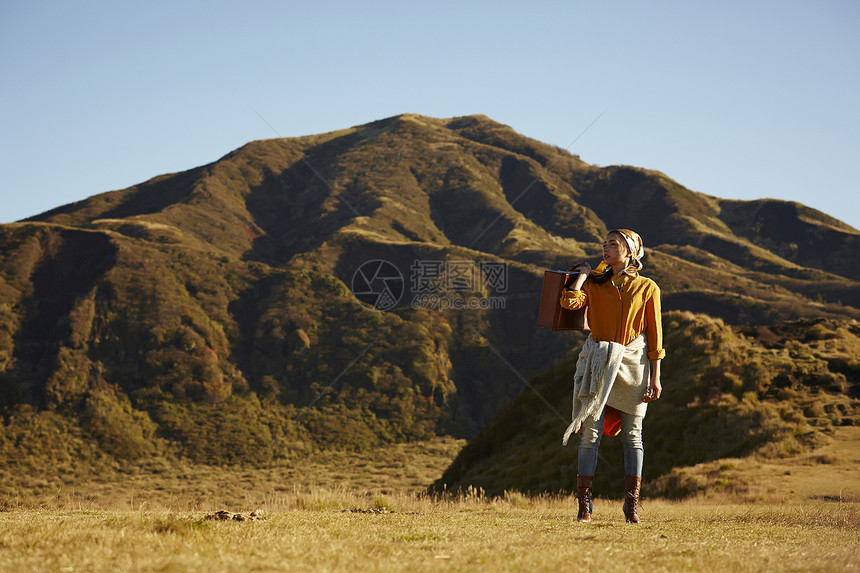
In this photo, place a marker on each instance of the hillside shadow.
(156, 195)
(300, 208)
(71, 265)
(624, 197)
(247, 311)
(558, 213)
(466, 215)
(150, 197)
(794, 232)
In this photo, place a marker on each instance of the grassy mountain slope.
(728, 393)
(208, 313)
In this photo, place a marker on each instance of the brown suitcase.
(551, 314)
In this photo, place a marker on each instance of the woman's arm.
(654, 326)
(654, 334)
(573, 298)
(580, 280)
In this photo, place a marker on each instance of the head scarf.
(634, 248)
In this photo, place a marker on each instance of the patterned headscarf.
(634, 247)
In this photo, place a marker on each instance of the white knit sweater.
(609, 374)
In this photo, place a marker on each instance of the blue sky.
(735, 99)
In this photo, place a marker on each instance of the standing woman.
(618, 371)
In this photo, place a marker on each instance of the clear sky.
(738, 99)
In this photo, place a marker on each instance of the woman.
(618, 370)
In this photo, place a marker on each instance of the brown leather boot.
(584, 496)
(631, 498)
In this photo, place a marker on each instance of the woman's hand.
(583, 267)
(655, 388)
(653, 392)
(576, 283)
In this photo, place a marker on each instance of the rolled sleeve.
(573, 299)
(657, 354)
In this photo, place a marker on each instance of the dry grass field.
(319, 532)
(340, 513)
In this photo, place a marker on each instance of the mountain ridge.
(218, 299)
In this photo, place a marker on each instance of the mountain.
(221, 314)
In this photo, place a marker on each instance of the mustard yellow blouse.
(621, 309)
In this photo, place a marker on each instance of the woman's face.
(615, 250)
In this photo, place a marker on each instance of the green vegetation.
(206, 316)
(725, 395)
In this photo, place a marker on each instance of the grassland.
(191, 345)
(339, 511)
(330, 533)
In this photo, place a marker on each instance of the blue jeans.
(631, 438)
